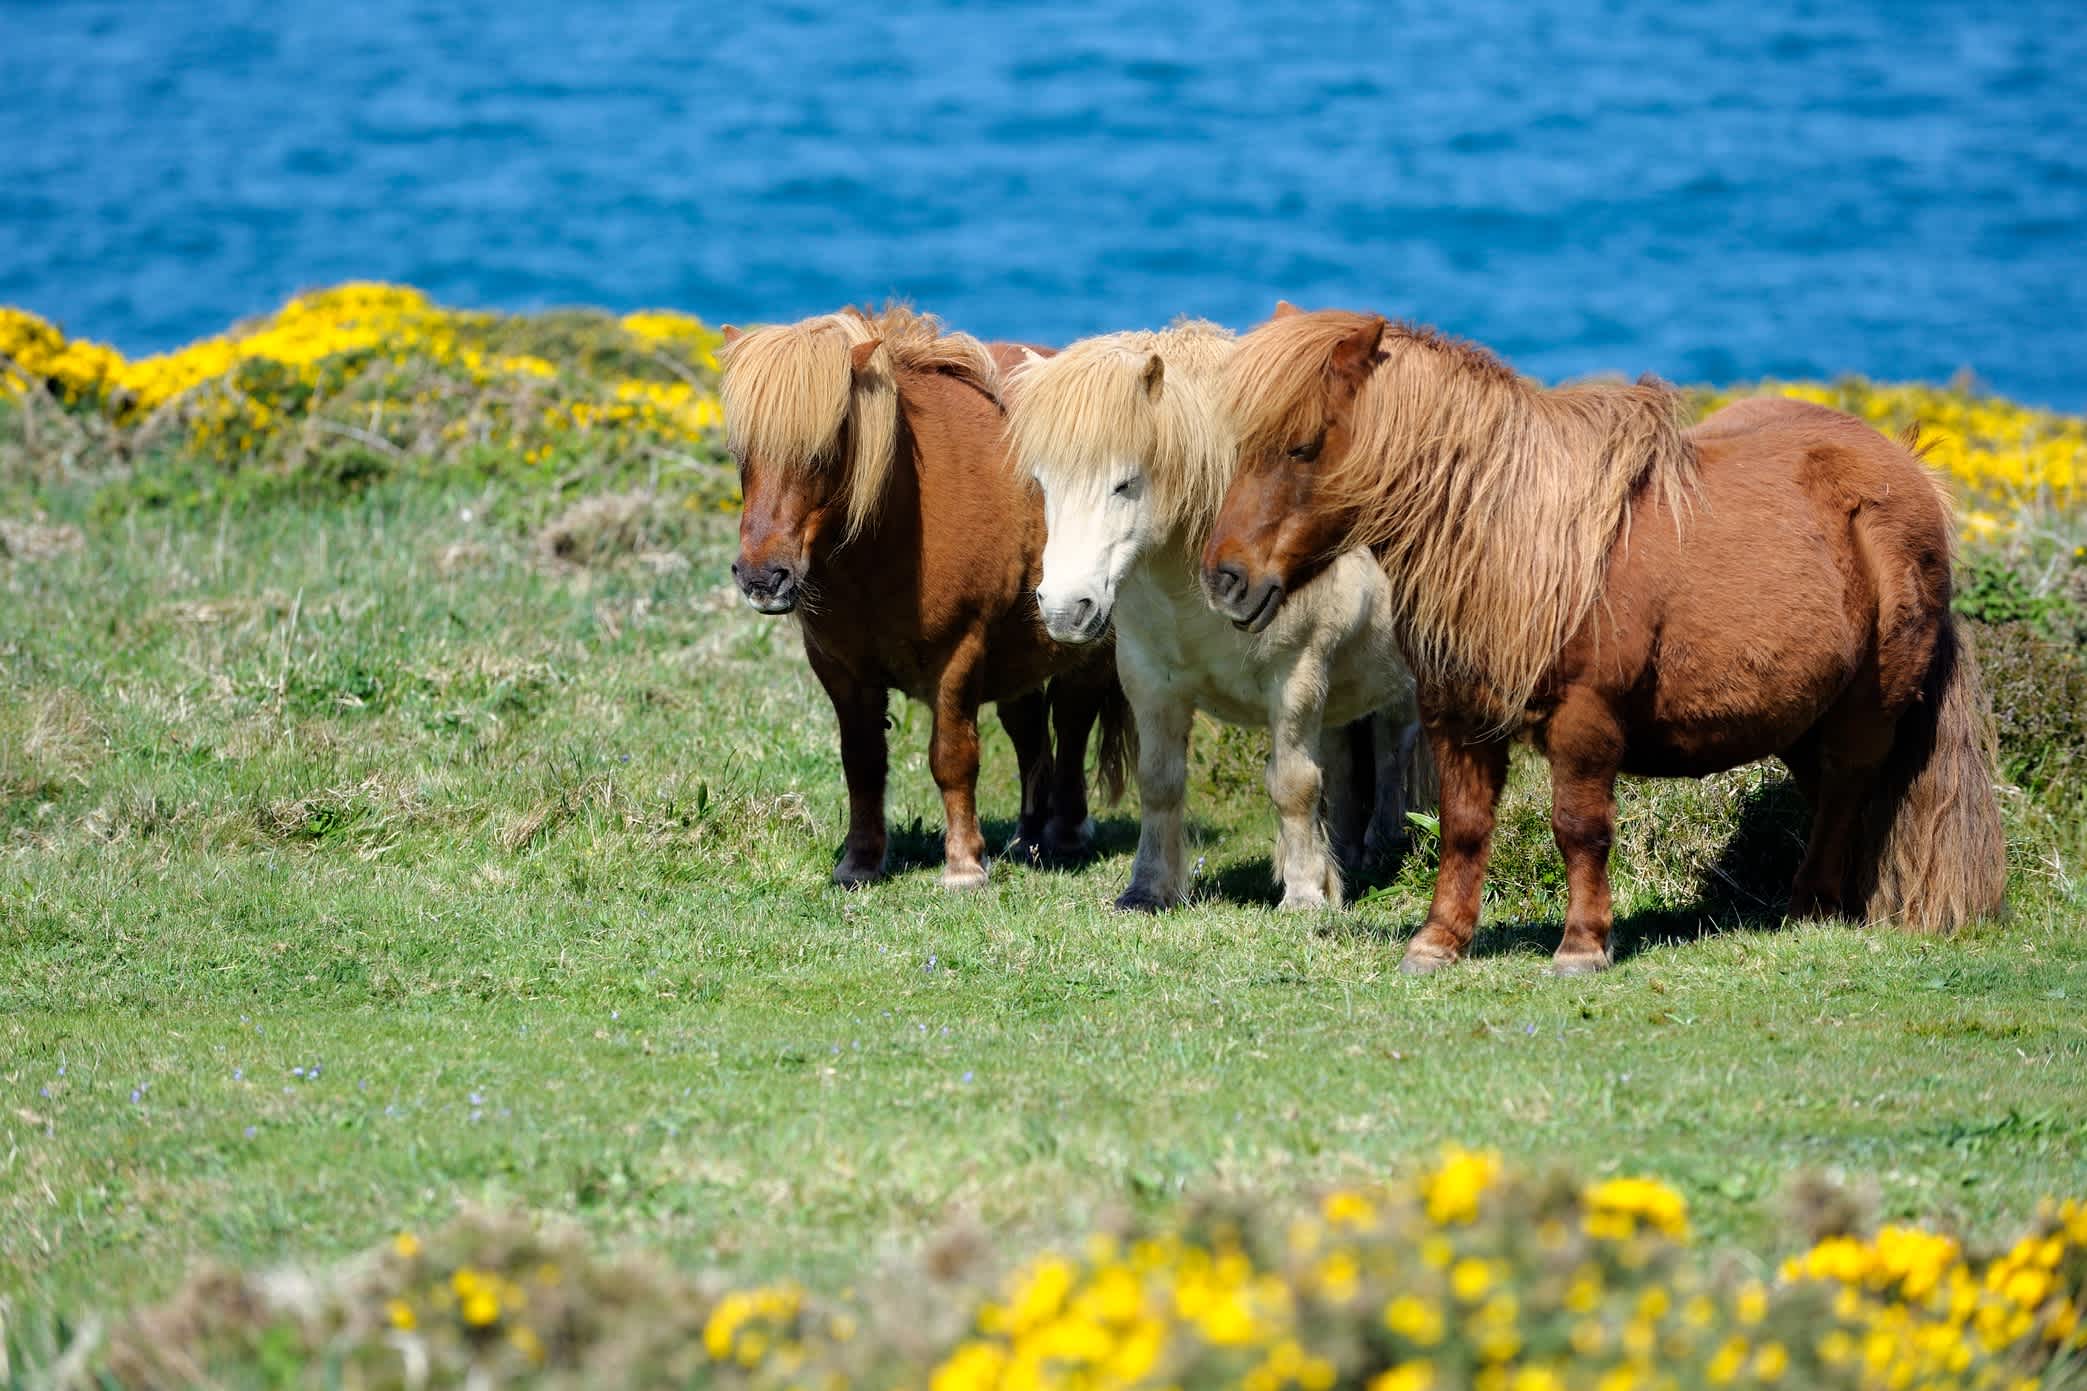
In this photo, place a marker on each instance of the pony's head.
(1289, 394)
(812, 417)
(1123, 434)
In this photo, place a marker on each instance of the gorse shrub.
(354, 385)
(1466, 1276)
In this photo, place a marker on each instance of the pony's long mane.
(789, 391)
(1492, 502)
(1071, 415)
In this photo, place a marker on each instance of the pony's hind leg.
(1348, 761)
(1027, 721)
(1471, 776)
(953, 759)
(1159, 874)
(859, 706)
(1076, 702)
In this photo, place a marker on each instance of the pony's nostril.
(1083, 613)
(1228, 581)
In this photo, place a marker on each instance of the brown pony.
(882, 509)
(1635, 596)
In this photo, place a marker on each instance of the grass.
(363, 859)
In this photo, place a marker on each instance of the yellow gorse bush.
(2004, 461)
(384, 372)
(1468, 1275)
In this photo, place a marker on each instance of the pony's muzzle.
(1249, 606)
(1073, 620)
(769, 588)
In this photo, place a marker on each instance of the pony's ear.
(1155, 373)
(859, 355)
(732, 334)
(1356, 354)
(1284, 309)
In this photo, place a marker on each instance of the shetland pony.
(1124, 435)
(1636, 597)
(881, 509)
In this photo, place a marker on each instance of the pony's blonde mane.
(1492, 502)
(1072, 414)
(789, 389)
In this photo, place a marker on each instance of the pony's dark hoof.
(1424, 959)
(1138, 901)
(1069, 842)
(851, 876)
(1580, 963)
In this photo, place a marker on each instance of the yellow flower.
(1407, 1376)
(1415, 1320)
(1470, 1279)
(480, 1308)
(1453, 1191)
(1725, 1364)
(406, 1245)
(1771, 1362)
(400, 1315)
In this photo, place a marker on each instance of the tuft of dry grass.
(38, 539)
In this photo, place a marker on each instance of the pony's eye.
(1309, 450)
(1126, 487)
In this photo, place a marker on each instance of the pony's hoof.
(1580, 963)
(962, 878)
(854, 876)
(1304, 901)
(1424, 959)
(1069, 842)
(1139, 901)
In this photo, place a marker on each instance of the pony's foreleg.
(1303, 860)
(1159, 874)
(859, 706)
(1585, 743)
(1027, 721)
(953, 759)
(1471, 774)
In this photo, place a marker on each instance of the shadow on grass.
(918, 845)
(1745, 888)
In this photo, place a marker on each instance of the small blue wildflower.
(252, 1131)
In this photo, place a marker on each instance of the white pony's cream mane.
(789, 389)
(1072, 416)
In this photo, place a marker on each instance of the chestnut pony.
(881, 508)
(1576, 566)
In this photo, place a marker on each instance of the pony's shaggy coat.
(1140, 410)
(1636, 597)
(1445, 437)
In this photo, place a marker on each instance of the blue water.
(1712, 192)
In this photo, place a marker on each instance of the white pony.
(1124, 434)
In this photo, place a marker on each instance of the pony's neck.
(1493, 505)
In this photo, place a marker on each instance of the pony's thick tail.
(1118, 751)
(1933, 856)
